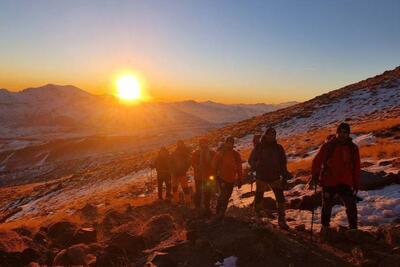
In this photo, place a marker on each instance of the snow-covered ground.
(377, 207)
(358, 103)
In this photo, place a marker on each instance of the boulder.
(89, 211)
(131, 245)
(372, 181)
(62, 233)
(85, 235)
(11, 241)
(158, 228)
(162, 259)
(75, 255)
(113, 219)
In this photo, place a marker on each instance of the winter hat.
(343, 126)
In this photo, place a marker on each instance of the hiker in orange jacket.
(227, 166)
(180, 164)
(337, 168)
(203, 175)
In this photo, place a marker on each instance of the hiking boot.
(325, 233)
(281, 217)
(283, 225)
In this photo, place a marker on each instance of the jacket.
(202, 163)
(180, 162)
(227, 166)
(268, 159)
(337, 163)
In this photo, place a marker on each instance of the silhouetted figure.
(180, 164)
(268, 159)
(162, 165)
(203, 174)
(337, 168)
(227, 166)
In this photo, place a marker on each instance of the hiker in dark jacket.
(203, 174)
(161, 164)
(180, 164)
(337, 168)
(268, 159)
(227, 167)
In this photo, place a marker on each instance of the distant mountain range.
(56, 109)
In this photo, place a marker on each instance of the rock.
(300, 227)
(85, 236)
(311, 202)
(295, 203)
(113, 219)
(158, 228)
(392, 235)
(390, 261)
(269, 203)
(359, 237)
(24, 231)
(191, 235)
(385, 162)
(132, 245)
(162, 259)
(112, 256)
(358, 253)
(372, 181)
(30, 255)
(11, 241)
(89, 211)
(62, 233)
(41, 238)
(74, 255)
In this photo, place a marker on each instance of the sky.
(228, 51)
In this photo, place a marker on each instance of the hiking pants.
(262, 186)
(161, 179)
(349, 200)
(203, 193)
(181, 180)
(226, 189)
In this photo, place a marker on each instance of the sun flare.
(128, 88)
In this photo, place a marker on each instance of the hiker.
(162, 167)
(268, 159)
(336, 167)
(204, 180)
(227, 166)
(180, 163)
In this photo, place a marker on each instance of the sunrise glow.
(128, 88)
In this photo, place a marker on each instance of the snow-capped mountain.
(376, 95)
(60, 109)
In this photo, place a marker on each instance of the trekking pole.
(312, 214)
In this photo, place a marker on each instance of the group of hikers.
(336, 168)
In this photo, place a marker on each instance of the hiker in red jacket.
(268, 159)
(202, 166)
(337, 168)
(180, 164)
(227, 166)
(162, 165)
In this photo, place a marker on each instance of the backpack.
(219, 162)
(329, 153)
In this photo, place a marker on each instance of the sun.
(128, 88)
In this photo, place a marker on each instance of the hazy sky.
(228, 51)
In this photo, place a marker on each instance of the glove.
(284, 183)
(355, 191)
